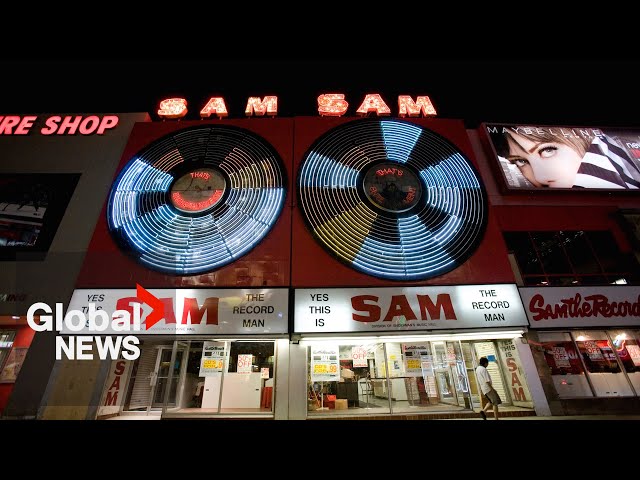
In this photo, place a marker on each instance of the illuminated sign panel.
(581, 307)
(57, 125)
(379, 310)
(392, 199)
(192, 311)
(182, 213)
(577, 158)
(329, 104)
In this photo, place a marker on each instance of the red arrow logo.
(157, 312)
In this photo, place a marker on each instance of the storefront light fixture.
(416, 338)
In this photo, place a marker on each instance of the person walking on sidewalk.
(489, 393)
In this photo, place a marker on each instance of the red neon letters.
(329, 104)
(57, 125)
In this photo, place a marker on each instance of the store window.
(627, 346)
(223, 377)
(432, 375)
(565, 366)
(6, 342)
(587, 363)
(605, 373)
(567, 258)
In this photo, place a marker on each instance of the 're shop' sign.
(194, 311)
(57, 124)
(582, 307)
(408, 308)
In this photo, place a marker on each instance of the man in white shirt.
(490, 394)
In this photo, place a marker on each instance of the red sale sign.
(359, 356)
(244, 363)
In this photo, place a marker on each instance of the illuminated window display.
(209, 377)
(411, 375)
(587, 363)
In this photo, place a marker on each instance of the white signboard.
(582, 307)
(325, 363)
(194, 311)
(212, 360)
(244, 364)
(114, 389)
(408, 308)
(359, 356)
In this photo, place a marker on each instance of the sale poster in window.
(13, 365)
(634, 353)
(562, 359)
(325, 363)
(359, 356)
(414, 355)
(212, 361)
(244, 364)
(598, 356)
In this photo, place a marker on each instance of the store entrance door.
(160, 377)
(444, 375)
(488, 349)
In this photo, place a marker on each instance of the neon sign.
(329, 104)
(57, 125)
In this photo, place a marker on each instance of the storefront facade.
(393, 242)
(408, 351)
(586, 344)
(215, 353)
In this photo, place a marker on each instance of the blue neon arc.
(168, 240)
(431, 238)
(399, 139)
(321, 171)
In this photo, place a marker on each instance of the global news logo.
(41, 317)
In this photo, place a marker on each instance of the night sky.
(559, 92)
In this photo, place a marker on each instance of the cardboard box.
(341, 404)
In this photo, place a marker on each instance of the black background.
(556, 90)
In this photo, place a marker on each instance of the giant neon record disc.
(392, 199)
(196, 200)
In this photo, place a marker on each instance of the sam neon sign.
(329, 104)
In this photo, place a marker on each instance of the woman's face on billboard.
(543, 163)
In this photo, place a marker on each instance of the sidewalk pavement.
(556, 417)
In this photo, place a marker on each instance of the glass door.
(487, 348)
(445, 379)
(160, 376)
(458, 371)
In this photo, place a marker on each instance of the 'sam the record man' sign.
(408, 308)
